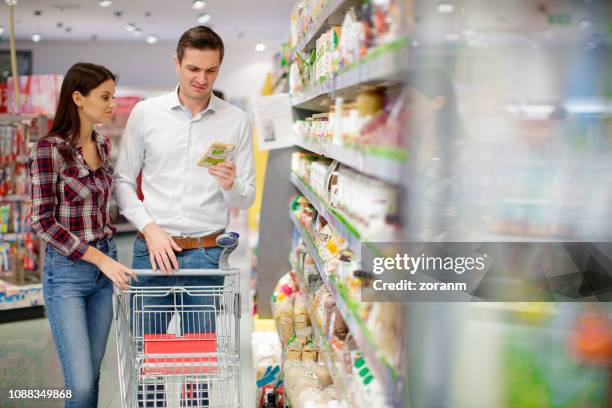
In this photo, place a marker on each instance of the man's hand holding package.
(225, 173)
(161, 248)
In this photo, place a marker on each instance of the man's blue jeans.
(78, 298)
(191, 322)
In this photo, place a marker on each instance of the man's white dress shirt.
(164, 140)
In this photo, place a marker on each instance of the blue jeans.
(78, 298)
(205, 258)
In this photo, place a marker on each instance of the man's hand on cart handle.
(118, 273)
(161, 249)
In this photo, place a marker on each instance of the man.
(185, 206)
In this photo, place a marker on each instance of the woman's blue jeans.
(78, 298)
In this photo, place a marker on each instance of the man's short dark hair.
(201, 38)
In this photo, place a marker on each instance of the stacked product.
(340, 46)
(374, 119)
(370, 205)
(20, 253)
(307, 379)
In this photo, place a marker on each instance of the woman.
(72, 182)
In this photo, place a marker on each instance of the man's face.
(197, 72)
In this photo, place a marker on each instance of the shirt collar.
(175, 103)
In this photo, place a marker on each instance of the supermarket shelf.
(18, 297)
(361, 333)
(15, 236)
(22, 159)
(327, 350)
(15, 198)
(388, 62)
(332, 13)
(388, 165)
(349, 233)
(328, 354)
(125, 227)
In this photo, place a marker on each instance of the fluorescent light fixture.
(204, 18)
(151, 39)
(260, 47)
(198, 5)
(532, 110)
(589, 106)
(36, 37)
(446, 8)
(584, 24)
(105, 3)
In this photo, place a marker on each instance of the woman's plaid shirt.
(70, 201)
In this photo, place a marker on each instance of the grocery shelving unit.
(384, 65)
(20, 291)
(358, 328)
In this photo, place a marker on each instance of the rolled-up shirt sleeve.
(44, 170)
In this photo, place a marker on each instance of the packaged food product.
(310, 352)
(294, 350)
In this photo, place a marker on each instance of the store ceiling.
(265, 21)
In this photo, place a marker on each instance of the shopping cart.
(176, 354)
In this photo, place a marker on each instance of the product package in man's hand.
(217, 153)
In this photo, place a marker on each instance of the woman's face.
(98, 106)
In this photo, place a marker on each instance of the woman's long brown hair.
(82, 77)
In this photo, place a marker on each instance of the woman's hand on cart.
(118, 273)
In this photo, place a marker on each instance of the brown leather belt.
(193, 242)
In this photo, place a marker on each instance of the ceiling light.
(151, 39)
(260, 47)
(105, 3)
(446, 8)
(199, 5)
(130, 28)
(204, 18)
(36, 37)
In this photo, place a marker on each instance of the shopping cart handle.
(228, 241)
(190, 272)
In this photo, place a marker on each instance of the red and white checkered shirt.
(70, 201)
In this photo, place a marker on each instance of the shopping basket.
(177, 354)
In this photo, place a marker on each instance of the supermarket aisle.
(29, 360)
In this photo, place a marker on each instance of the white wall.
(150, 67)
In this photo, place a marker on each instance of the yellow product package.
(217, 153)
